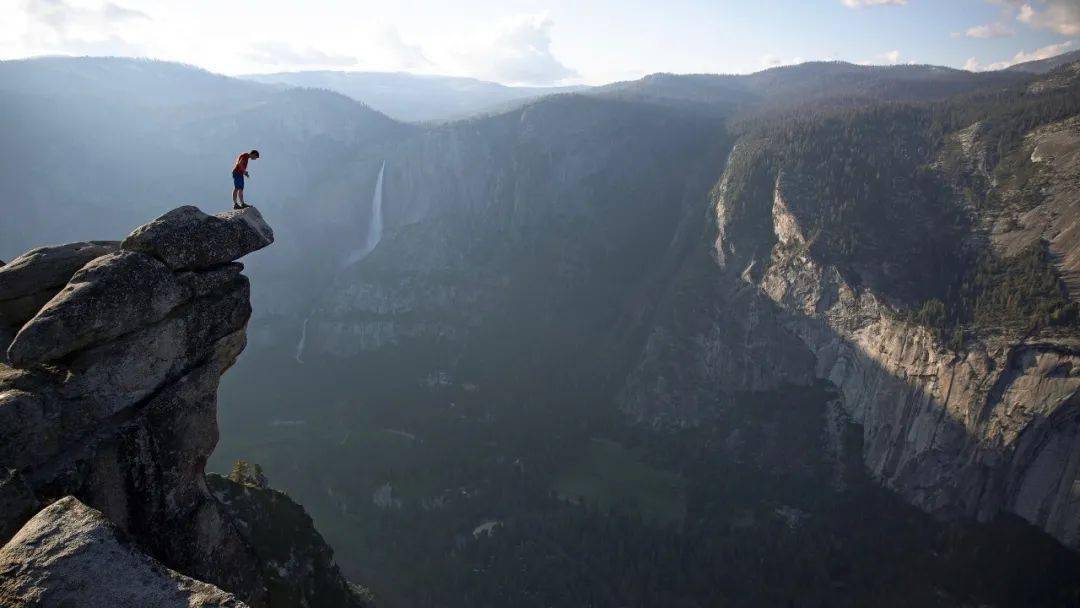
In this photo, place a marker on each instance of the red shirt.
(241, 163)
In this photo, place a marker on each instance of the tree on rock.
(248, 474)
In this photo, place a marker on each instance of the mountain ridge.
(416, 97)
(1042, 66)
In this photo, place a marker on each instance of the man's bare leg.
(234, 191)
(242, 203)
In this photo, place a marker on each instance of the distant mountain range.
(426, 98)
(415, 97)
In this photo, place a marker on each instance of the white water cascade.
(375, 226)
(303, 341)
(371, 239)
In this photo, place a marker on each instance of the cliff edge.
(108, 412)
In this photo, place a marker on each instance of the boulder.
(186, 238)
(70, 555)
(109, 297)
(33, 278)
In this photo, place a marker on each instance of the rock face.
(958, 433)
(71, 555)
(972, 431)
(109, 297)
(32, 279)
(111, 399)
(1055, 150)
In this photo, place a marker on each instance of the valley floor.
(482, 496)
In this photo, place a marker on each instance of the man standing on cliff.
(239, 172)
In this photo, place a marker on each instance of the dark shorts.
(238, 181)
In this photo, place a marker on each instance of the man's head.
(254, 154)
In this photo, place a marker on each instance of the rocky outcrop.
(111, 393)
(71, 555)
(186, 238)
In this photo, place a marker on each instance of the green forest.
(757, 513)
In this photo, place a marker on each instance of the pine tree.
(241, 469)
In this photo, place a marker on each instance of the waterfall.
(371, 239)
(303, 341)
(375, 224)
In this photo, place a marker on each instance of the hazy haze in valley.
(620, 305)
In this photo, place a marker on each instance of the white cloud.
(64, 27)
(405, 55)
(517, 52)
(1061, 16)
(115, 12)
(990, 30)
(63, 17)
(862, 3)
(74, 27)
(284, 55)
(1046, 52)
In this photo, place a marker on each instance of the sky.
(551, 42)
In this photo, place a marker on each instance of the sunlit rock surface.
(71, 555)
